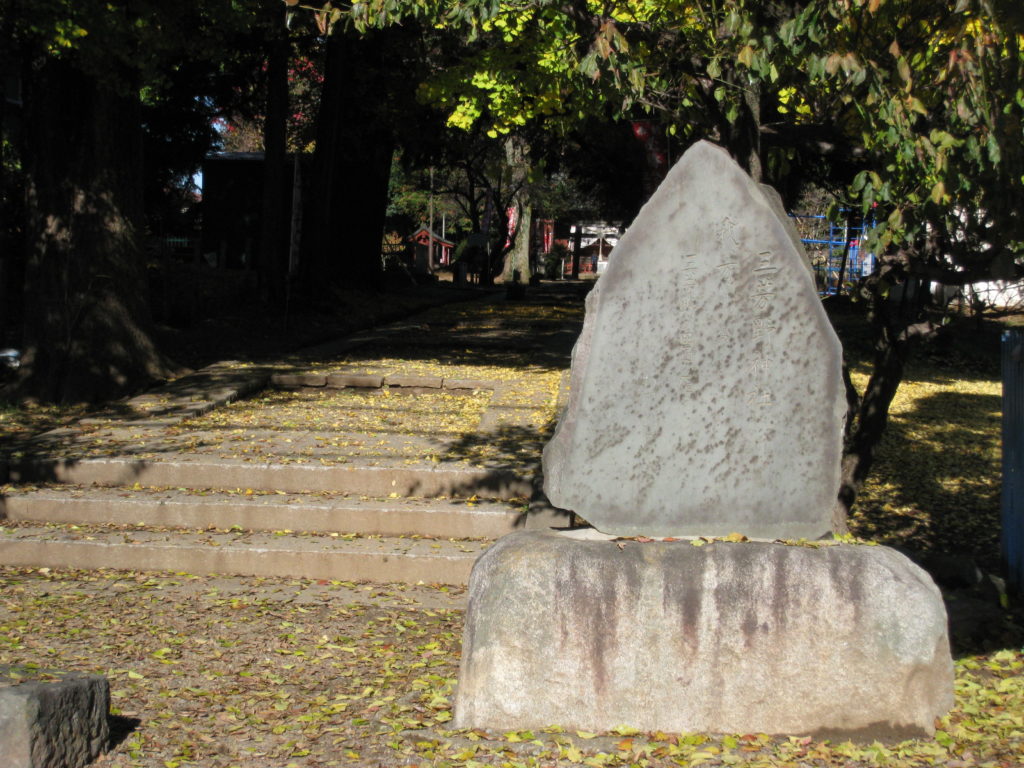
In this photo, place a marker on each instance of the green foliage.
(521, 70)
(410, 197)
(924, 99)
(929, 96)
(931, 93)
(132, 45)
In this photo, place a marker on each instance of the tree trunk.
(352, 165)
(87, 325)
(518, 257)
(846, 253)
(871, 411)
(577, 246)
(274, 228)
(742, 136)
(12, 234)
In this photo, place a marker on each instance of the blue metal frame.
(857, 263)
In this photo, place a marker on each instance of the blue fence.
(826, 242)
(1013, 456)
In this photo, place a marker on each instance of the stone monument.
(706, 400)
(706, 393)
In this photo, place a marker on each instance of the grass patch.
(936, 482)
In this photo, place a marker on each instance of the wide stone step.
(256, 512)
(439, 480)
(377, 559)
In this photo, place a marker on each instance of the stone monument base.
(838, 640)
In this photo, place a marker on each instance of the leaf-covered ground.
(937, 480)
(499, 344)
(273, 673)
(18, 422)
(338, 427)
(270, 673)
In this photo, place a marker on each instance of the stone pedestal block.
(835, 640)
(59, 723)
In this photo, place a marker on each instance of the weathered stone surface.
(286, 380)
(741, 638)
(425, 382)
(469, 384)
(55, 723)
(341, 380)
(706, 393)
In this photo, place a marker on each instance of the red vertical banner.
(513, 220)
(547, 232)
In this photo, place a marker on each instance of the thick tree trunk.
(870, 412)
(740, 136)
(577, 246)
(518, 257)
(12, 235)
(345, 217)
(752, 126)
(87, 326)
(274, 229)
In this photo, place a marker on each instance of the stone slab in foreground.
(728, 638)
(52, 720)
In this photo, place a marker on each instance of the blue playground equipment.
(826, 241)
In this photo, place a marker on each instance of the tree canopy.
(910, 110)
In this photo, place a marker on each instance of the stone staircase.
(331, 467)
(183, 527)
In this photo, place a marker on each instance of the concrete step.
(378, 559)
(260, 512)
(203, 472)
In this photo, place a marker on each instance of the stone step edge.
(236, 493)
(381, 560)
(497, 483)
(388, 518)
(246, 379)
(292, 381)
(190, 404)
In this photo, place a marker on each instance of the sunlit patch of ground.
(351, 411)
(936, 482)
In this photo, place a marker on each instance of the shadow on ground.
(936, 484)
(120, 729)
(934, 494)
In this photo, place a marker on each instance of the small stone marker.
(52, 719)
(706, 394)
